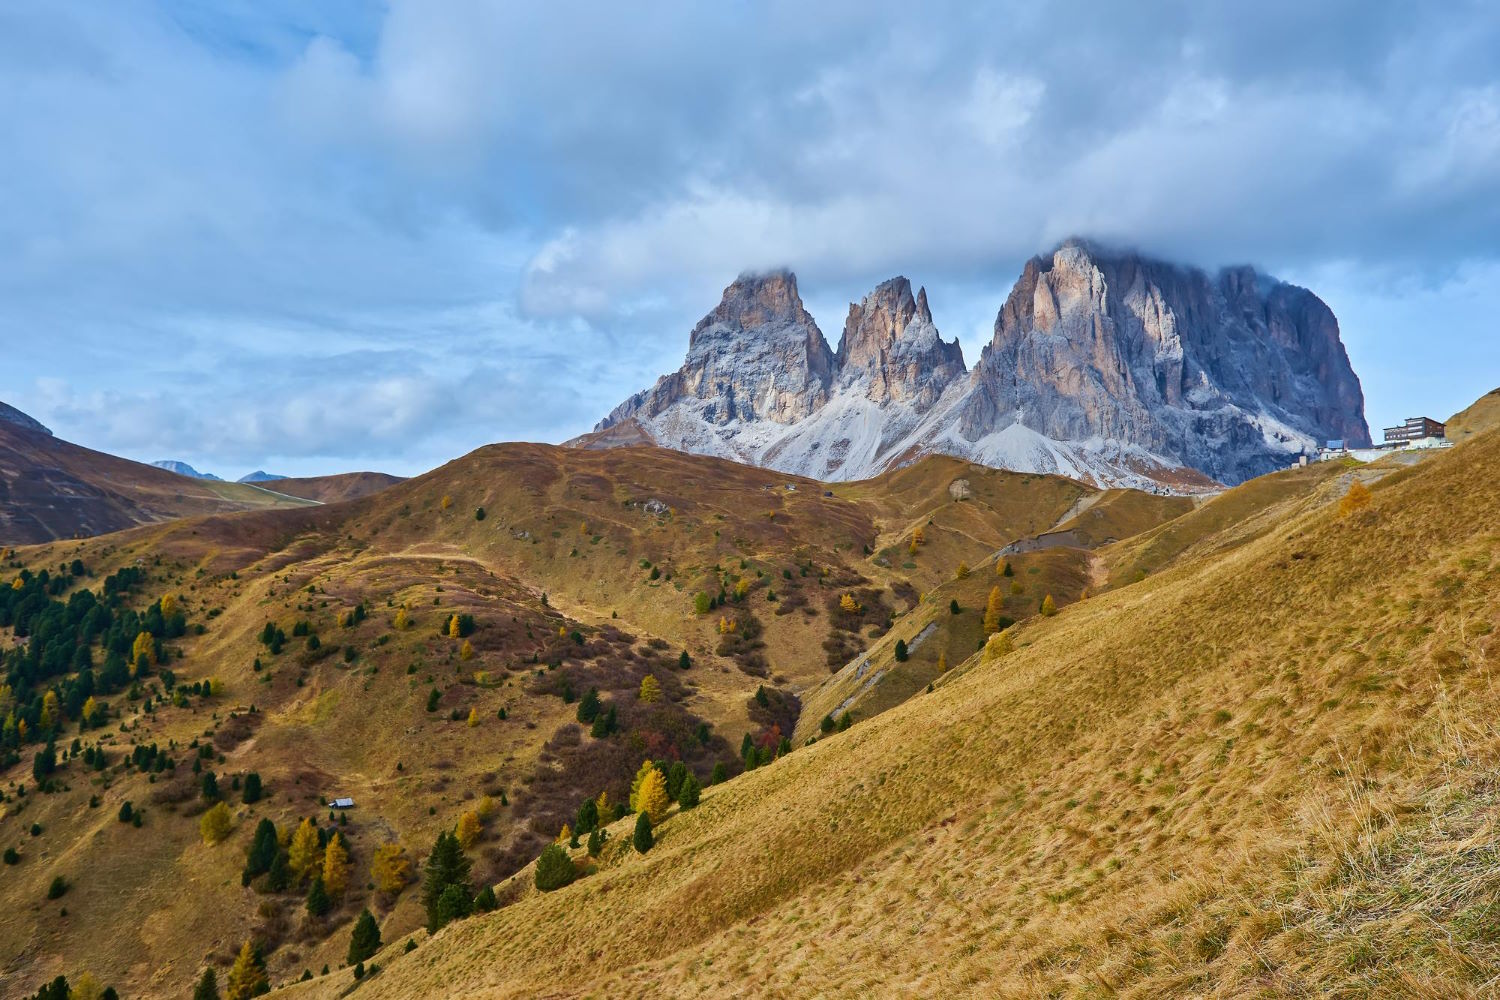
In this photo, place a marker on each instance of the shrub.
(485, 902)
(554, 869)
(953, 608)
(252, 792)
(57, 888)
(1357, 499)
(596, 842)
(479, 513)
(12, 856)
(1049, 606)
(215, 824)
(900, 650)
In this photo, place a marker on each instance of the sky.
(317, 237)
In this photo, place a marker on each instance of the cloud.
(252, 229)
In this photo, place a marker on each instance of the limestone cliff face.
(1106, 366)
(892, 350)
(757, 356)
(1228, 373)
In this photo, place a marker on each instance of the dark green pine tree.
(263, 849)
(900, 650)
(688, 796)
(208, 986)
(453, 904)
(588, 816)
(684, 661)
(596, 842)
(643, 839)
(676, 775)
(364, 941)
(210, 787)
(720, 774)
(446, 868)
(252, 787)
(318, 902)
(485, 902)
(279, 875)
(588, 707)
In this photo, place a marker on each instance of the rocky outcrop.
(1105, 366)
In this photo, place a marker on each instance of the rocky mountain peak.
(757, 300)
(891, 344)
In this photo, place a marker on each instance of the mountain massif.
(1108, 367)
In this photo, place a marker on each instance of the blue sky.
(317, 237)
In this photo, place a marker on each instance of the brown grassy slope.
(52, 489)
(332, 489)
(323, 728)
(1482, 415)
(1262, 774)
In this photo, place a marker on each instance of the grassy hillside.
(52, 489)
(1483, 415)
(1262, 771)
(332, 489)
(580, 570)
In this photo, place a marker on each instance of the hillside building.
(1414, 429)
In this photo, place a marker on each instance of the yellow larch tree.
(248, 976)
(650, 689)
(336, 867)
(605, 808)
(473, 718)
(447, 501)
(992, 610)
(1049, 606)
(1357, 499)
(169, 605)
(144, 645)
(635, 785)
(51, 716)
(215, 824)
(454, 628)
(962, 572)
(468, 829)
(849, 605)
(390, 869)
(466, 651)
(303, 855)
(403, 619)
(652, 796)
(564, 835)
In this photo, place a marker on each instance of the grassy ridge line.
(779, 877)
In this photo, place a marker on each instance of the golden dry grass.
(1264, 772)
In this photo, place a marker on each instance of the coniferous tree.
(389, 868)
(676, 775)
(687, 796)
(453, 904)
(485, 901)
(335, 867)
(263, 849)
(900, 650)
(215, 824)
(588, 707)
(554, 868)
(643, 841)
(596, 842)
(318, 902)
(588, 817)
(684, 661)
(252, 792)
(364, 941)
(247, 978)
(1049, 606)
(279, 877)
(446, 868)
(720, 774)
(304, 854)
(208, 986)
(652, 798)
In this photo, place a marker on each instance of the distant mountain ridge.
(10, 415)
(258, 476)
(183, 469)
(1106, 366)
